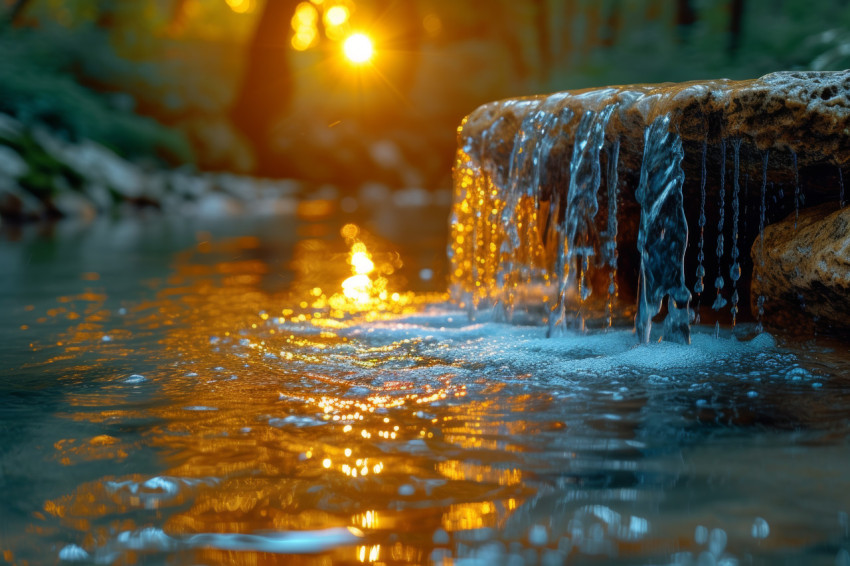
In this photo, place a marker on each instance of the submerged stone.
(805, 271)
(548, 215)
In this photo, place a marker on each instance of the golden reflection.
(465, 516)
(250, 432)
(456, 470)
(369, 554)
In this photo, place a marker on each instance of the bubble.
(135, 378)
(406, 489)
(760, 528)
(717, 541)
(538, 535)
(700, 535)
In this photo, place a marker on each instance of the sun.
(358, 48)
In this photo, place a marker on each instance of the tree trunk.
(736, 18)
(267, 84)
(544, 44)
(15, 12)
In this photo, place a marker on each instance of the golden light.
(357, 288)
(336, 15)
(303, 38)
(304, 24)
(358, 48)
(361, 263)
(241, 6)
(305, 15)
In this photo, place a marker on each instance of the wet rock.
(761, 149)
(12, 165)
(97, 164)
(803, 272)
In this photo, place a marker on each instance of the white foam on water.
(73, 553)
(290, 542)
(296, 421)
(152, 539)
(568, 358)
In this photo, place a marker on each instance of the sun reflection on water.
(259, 418)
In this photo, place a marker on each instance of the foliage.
(39, 89)
(44, 170)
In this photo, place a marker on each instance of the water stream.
(213, 392)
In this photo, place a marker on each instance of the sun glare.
(358, 48)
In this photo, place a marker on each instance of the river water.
(207, 391)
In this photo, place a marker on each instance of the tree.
(268, 84)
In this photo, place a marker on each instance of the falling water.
(762, 215)
(840, 188)
(579, 230)
(527, 236)
(611, 233)
(796, 189)
(735, 270)
(719, 301)
(663, 234)
(532, 144)
(699, 287)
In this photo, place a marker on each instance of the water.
(157, 410)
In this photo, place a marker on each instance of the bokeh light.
(242, 6)
(336, 15)
(304, 24)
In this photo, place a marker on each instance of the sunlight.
(358, 48)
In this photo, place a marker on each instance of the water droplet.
(700, 535)
(760, 528)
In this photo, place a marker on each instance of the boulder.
(753, 152)
(801, 272)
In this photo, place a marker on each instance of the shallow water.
(169, 396)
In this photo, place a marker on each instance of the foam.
(152, 539)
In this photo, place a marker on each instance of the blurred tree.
(15, 12)
(736, 18)
(267, 85)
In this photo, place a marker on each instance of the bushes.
(38, 89)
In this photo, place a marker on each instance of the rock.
(216, 205)
(12, 165)
(805, 274)
(773, 144)
(97, 164)
(10, 128)
(71, 204)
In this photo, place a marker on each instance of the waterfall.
(735, 270)
(564, 204)
(612, 180)
(719, 301)
(663, 234)
(762, 216)
(578, 232)
(699, 287)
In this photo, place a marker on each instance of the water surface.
(202, 392)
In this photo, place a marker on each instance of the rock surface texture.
(805, 270)
(548, 192)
